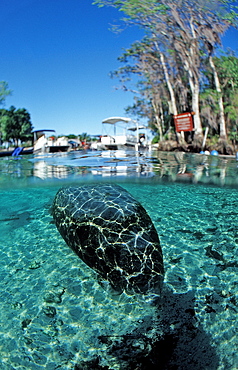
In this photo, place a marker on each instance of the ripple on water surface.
(45, 169)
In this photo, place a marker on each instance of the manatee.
(113, 234)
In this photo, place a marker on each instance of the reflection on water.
(163, 166)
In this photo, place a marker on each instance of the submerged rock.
(112, 233)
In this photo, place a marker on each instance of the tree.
(143, 59)
(16, 125)
(4, 91)
(187, 30)
(227, 70)
(72, 136)
(84, 137)
(221, 117)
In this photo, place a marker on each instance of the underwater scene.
(57, 312)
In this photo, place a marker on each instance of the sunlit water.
(54, 311)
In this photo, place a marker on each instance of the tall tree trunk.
(195, 108)
(173, 107)
(170, 88)
(222, 123)
(194, 83)
(194, 86)
(158, 120)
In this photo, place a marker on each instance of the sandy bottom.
(56, 314)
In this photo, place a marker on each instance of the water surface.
(54, 311)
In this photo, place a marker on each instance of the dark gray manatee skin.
(112, 233)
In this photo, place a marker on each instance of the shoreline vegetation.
(221, 147)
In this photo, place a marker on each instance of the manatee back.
(113, 234)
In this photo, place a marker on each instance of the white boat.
(45, 142)
(121, 133)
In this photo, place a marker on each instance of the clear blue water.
(56, 314)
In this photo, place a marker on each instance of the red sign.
(183, 122)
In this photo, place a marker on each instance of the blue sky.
(56, 56)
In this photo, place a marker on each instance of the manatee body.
(112, 233)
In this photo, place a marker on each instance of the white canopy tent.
(128, 121)
(114, 120)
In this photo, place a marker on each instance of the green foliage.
(227, 67)
(233, 135)
(155, 139)
(15, 125)
(84, 137)
(213, 139)
(133, 8)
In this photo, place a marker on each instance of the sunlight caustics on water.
(54, 311)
